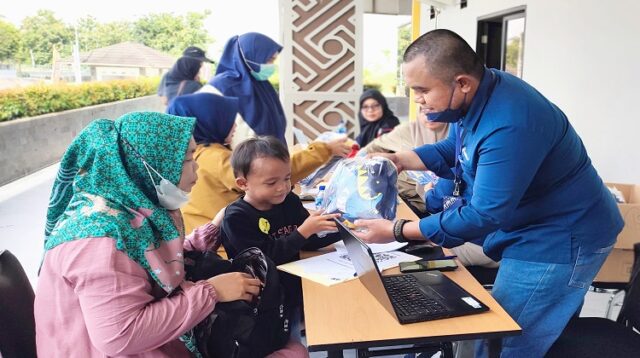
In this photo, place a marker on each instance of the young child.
(216, 187)
(269, 215)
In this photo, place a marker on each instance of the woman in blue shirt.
(536, 198)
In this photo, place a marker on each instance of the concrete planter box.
(30, 144)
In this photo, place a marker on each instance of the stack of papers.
(375, 248)
(336, 267)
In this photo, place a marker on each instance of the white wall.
(104, 73)
(583, 55)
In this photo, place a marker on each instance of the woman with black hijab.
(375, 117)
(182, 78)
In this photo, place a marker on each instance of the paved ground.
(23, 207)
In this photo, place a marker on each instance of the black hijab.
(184, 70)
(372, 130)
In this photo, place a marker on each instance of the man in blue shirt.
(529, 186)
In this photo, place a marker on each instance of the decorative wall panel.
(321, 67)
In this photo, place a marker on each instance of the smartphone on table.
(428, 265)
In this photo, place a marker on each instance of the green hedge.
(41, 99)
(371, 85)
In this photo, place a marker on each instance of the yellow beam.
(415, 32)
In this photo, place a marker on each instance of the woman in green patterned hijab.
(124, 180)
(103, 187)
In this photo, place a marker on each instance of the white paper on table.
(375, 248)
(309, 205)
(335, 267)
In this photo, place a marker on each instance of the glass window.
(500, 41)
(513, 44)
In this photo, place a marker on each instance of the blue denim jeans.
(542, 297)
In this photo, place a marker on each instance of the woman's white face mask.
(169, 195)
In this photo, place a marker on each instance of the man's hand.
(374, 231)
(235, 286)
(391, 156)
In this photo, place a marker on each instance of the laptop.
(411, 297)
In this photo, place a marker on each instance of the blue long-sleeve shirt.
(534, 191)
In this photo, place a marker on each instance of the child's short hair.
(259, 147)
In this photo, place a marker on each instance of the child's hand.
(339, 147)
(317, 223)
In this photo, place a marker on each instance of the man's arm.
(399, 139)
(509, 160)
(439, 157)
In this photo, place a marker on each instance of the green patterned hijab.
(103, 189)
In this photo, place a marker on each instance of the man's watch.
(397, 230)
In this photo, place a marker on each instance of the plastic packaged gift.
(363, 188)
(318, 175)
(422, 177)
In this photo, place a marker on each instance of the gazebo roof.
(125, 54)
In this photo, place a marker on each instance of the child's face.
(268, 182)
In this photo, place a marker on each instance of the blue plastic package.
(422, 177)
(363, 188)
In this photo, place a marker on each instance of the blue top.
(434, 204)
(214, 115)
(260, 106)
(534, 191)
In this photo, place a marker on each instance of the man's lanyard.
(455, 201)
(460, 134)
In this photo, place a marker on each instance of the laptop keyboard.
(408, 299)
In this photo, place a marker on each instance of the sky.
(228, 18)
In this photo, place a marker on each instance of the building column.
(321, 64)
(415, 33)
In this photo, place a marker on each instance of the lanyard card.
(451, 202)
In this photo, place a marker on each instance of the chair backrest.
(630, 312)
(18, 328)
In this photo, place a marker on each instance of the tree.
(95, 35)
(41, 33)
(513, 55)
(87, 27)
(9, 42)
(170, 33)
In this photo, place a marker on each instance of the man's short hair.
(259, 147)
(446, 55)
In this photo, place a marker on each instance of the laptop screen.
(366, 267)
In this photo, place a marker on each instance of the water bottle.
(341, 128)
(319, 197)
